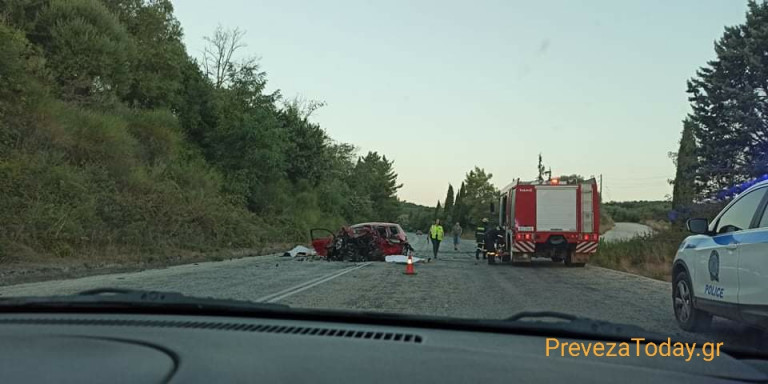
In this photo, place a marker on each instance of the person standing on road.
(493, 236)
(457, 230)
(480, 239)
(436, 235)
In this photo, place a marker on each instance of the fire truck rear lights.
(527, 236)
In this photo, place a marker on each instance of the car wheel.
(688, 317)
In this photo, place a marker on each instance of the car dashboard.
(139, 348)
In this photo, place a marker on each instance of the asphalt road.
(626, 231)
(454, 285)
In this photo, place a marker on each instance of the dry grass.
(649, 256)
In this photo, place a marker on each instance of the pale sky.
(598, 87)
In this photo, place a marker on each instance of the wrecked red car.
(361, 242)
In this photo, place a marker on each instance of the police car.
(722, 269)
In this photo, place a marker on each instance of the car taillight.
(586, 237)
(527, 236)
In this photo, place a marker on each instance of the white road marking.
(307, 284)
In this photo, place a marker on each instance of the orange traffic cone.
(409, 266)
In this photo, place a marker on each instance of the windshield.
(526, 156)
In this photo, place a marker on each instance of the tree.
(157, 71)
(248, 142)
(729, 100)
(684, 189)
(479, 193)
(375, 178)
(449, 204)
(87, 49)
(436, 215)
(459, 207)
(305, 107)
(196, 108)
(306, 139)
(218, 55)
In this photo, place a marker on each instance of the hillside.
(117, 146)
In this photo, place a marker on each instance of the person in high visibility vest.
(436, 235)
(480, 239)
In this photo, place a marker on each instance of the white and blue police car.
(722, 269)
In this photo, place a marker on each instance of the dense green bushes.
(120, 179)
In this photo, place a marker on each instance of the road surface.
(626, 231)
(454, 285)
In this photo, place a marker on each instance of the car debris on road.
(361, 242)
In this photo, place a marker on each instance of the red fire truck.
(551, 219)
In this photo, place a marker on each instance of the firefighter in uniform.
(480, 239)
(492, 237)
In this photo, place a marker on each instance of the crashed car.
(361, 242)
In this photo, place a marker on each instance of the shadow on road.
(736, 334)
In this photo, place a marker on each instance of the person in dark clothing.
(480, 239)
(492, 236)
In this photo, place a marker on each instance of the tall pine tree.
(729, 99)
(684, 189)
(449, 204)
(459, 208)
